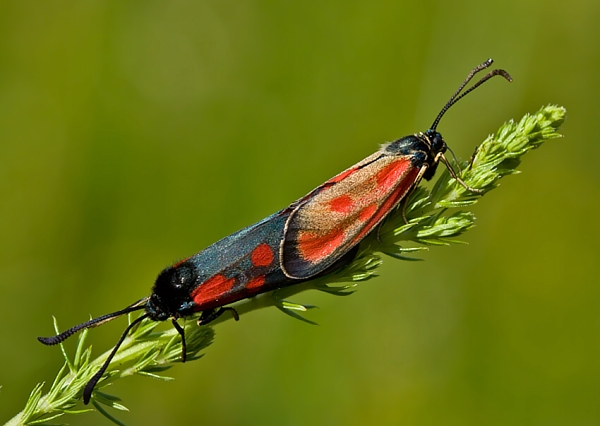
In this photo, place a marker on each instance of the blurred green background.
(133, 134)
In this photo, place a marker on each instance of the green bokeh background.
(133, 134)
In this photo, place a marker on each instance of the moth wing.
(337, 215)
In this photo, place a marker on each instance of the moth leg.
(379, 233)
(472, 159)
(181, 332)
(212, 314)
(457, 178)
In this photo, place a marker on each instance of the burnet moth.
(313, 236)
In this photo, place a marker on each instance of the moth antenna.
(54, 340)
(89, 387)
(457, 95)
(485, 78)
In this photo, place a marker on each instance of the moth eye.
(437, 143)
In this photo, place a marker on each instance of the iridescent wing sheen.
(337, 215)
(241, 265)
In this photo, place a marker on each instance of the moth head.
(436, 142)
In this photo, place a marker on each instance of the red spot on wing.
(212, 289)
(388, 204)
(313, 247)
(366, 213)
(390, 174)
(326, 185)
(262, 255)
(342, 175)
(341, 204)
(256, 283)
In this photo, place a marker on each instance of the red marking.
(256, 283)
(341, 176)
(341, 204)
(313, 247)
(262, 255)
(388, 204)
(390, 174)
(326, 185)
(366, 213)
(212, 289)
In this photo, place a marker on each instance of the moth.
(312, 237)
